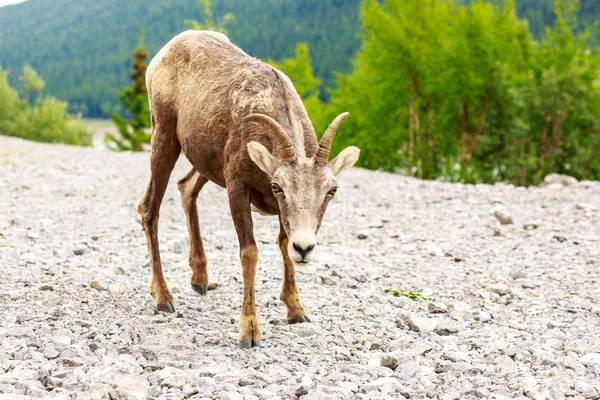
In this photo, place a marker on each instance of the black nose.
(303, 251)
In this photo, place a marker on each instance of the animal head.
(303, 186)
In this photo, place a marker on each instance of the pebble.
(502, 215)
(482, 316)
(79, 250)
(51, 353)
(446, 328)
(529, 333)
(115, 289)
(389, 361)
(498, 288)
(98, 285)
(435, 308)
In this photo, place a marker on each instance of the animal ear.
(261, 157)
(345, 160)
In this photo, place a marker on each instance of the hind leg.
(190, 187)
(165, 152)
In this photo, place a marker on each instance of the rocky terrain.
(511, 311)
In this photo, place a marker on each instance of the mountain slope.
(82, 47)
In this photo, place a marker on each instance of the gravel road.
(512, 311)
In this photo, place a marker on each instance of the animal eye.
(275, 187)
(332, 191)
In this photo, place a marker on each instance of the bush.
(46, 120)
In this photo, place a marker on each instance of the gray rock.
(389, 361)
(446, 328)
(79, 250)
(245, 382)
(98, 285)
(563, 180)
(51, 353)
(498, 288)
(482, 316)
(502, 215)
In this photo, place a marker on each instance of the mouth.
(302, 262)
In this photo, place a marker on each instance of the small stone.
(559, 239)
(301, 391)
(406, 320)
(48, 288)
(371, 311)
(502, 215)
(361, 278)
(435, 308)
(362, 236)
(446, 328)
(245, 382)
(498, 288)
(51, 353)
(564, 180)
(79, 250)
(325, 280)
(590, 359)
(98, 285)
(389, 361)
(115, 289)
(180, 247)
(555, 324)
(526, 284)
(517, 274)
(531, 226)
(482, 316)
(120, 271)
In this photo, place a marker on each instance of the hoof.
(202, 289)
(299, 320)
(249, 343)
(165, 307)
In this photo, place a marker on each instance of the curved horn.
(322, 155)
(284, 145)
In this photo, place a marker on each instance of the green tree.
(133, 128)
(462, 92)
(300, 72)
(46, 120)
(31, 82)
(209, 22)
(9, 104)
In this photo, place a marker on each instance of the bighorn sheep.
(242, 125)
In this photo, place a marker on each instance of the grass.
(411, 295)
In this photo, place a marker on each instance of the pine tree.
(133, 128)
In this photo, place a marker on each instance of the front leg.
(289, 291)
(239, 203)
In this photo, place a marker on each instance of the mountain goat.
(242, 125)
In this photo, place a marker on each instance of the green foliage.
(31, 82)
(300, 72)
(411, 295)
(209, 23)
(9, 104)
(46, 120)
(458, 92)
(82, 50)
(133, 129)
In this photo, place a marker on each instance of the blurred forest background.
(472, 91)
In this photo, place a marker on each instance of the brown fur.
(202, 90)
